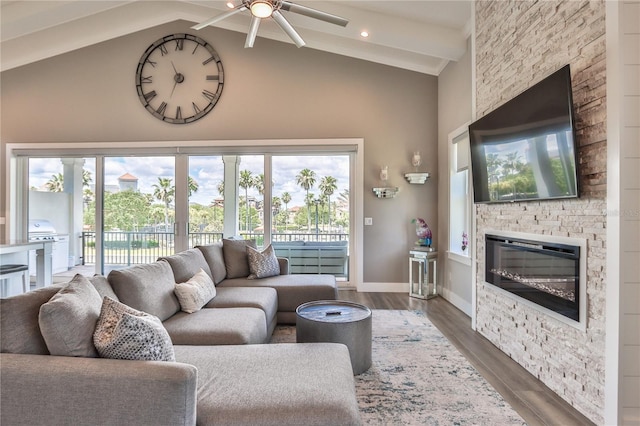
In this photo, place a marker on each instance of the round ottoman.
(337, 321)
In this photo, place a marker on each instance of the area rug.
(418, 377)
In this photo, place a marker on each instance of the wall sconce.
(385, 191)
(416, 177)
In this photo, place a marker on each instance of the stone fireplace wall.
(517, 44)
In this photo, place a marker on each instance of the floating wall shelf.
(386, 192)
(416, 178)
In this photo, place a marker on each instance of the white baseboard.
(384, 287)
(457, 301)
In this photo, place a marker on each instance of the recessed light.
(230, 5)
(364, 34)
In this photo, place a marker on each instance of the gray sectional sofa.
(225, 372)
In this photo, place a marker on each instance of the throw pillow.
(263, 263)
(196, 292)
(235, 257)
(68, 319)
(126, 333)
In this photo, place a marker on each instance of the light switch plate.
(368, 221)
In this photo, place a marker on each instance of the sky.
(208, 172)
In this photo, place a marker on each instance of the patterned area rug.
(419, 378)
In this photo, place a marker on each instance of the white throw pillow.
(126, 333)
(196, 292)
(262, 264)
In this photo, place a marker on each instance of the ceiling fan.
(263, 9)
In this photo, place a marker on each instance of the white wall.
(454, 110)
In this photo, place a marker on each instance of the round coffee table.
(337, 321)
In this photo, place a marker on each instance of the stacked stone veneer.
(518, 43)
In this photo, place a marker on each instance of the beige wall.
(271, 91)
(517, 44)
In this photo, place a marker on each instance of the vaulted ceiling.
(421, 36)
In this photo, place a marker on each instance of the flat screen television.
(526, 148)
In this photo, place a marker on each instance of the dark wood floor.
(535, 402)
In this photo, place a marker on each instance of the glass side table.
(422, 272)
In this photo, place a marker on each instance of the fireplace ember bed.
(544, 273)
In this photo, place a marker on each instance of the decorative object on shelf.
(416, 160)
(423, 232)
(465, 241)
(385, 191)
(384, 174)
(416, 177)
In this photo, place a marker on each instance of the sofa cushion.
(103, 287)
(186, 264)
(293, 290)
(264, 298)
(19, 327)
(215, 258)
(292, 384)
(235, 257)
(196, 292)
(223, 326)
(68, 320)
(262, 264)
(126, 333)
(147, 288)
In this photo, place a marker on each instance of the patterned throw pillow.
(196, 292)
(262, 264)
(125, 333)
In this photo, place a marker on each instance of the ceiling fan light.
(261, 9)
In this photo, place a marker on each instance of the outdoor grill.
(43, 230)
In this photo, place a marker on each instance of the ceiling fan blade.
(314, 13)
(253, 32)
(219, 18)
(287, 28)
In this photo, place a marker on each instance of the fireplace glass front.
(544, 273)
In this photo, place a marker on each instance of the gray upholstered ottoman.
(337, 321)
(284, 384)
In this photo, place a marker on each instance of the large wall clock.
(179, 78)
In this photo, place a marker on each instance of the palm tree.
(328, 186)
(86, 177)
(56, 183)
(276, 205)
(306, 179)
(246, 182)
(164, 191)
(286, 199)
(258, 183)
(192, 186)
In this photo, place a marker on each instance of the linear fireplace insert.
(547, 274)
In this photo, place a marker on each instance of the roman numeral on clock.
(148, 96)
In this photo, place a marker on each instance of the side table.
(422, 272)
(337, 321)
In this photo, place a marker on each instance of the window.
(459, 195)
(142, 203)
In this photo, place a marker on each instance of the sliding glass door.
(122, 210)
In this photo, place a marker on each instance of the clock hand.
(177, 78)
(174, 87)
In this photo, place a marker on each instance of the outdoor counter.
(44, 276)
